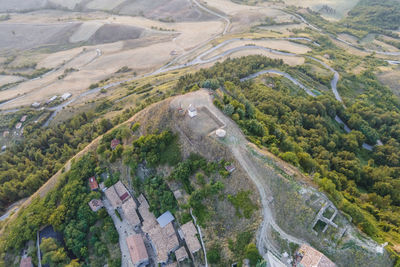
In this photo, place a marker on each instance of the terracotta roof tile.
(190, 232)
(137, 249)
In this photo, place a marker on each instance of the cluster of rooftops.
(162, 233)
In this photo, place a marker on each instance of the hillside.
(109, 112)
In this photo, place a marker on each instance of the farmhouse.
(94, 186)
(189, 234)
(307, 256)
(137, 250)
(95, 204)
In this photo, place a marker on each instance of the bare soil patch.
(202, 124)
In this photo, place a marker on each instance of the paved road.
(340, 39)
(124, 230)
(334, 82)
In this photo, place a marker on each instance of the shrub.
(118, 215)
(243, 204)
(252, 254)
(214, 254)
(290, 157)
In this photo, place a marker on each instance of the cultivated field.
(100, 52)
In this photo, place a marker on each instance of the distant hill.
(375, 13)
(164, 10)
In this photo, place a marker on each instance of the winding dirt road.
(239, 146)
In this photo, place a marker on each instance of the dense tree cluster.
(301, 130)
(25, 166)
(368, 16)
(66, 209)
(159, 195)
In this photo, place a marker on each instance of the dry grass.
(6, 79)
(92, 68)
(391, 78)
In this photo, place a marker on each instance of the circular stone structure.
(220, 133)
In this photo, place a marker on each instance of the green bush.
(243, 204)
(214, 254)
(290, 157)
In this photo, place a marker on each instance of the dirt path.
(124, 230)
(228, 22)
(238, 145)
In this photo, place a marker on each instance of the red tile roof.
(26, 262)
(313, 258)
(93, 183)
(137, 249)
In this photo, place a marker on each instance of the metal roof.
(165, 219)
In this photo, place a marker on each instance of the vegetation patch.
(243, 204)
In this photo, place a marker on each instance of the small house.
(307, 256)
(181, 254)
(6, 133)
(36, 104)
(23, 118)
(3, 148)
(96, 204)
(94, 186)
(114, 143)
(192, 111)
(66, 96)
(230, 168)
(51, 99)
(18, 126)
